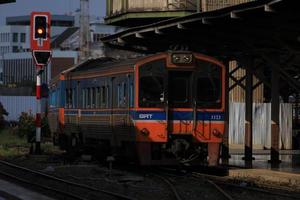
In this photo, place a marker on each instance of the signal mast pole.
(41, 53)
(38, 119)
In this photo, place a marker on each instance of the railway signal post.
(41, 53)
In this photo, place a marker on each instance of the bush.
(26, 126)
(45, 128)
(2, 113)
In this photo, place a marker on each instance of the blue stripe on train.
(177, 115)
(158, 115)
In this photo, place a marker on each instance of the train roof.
(98, 64)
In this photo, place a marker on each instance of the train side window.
(107, 96)
(124, 93)
(83, 98)
(66, 98)
(104, 96)
(52, 99)
(98, 100)
(69, 98)
(58, 97)
(88, 98)
(119, 95)
(78, 96)
(121, 92)
(93, 97)
(73, 99)
(131, 95)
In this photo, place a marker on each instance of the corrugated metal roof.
(210, 32)
(7, 1)
(267, 30)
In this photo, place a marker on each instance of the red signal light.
(40, 27)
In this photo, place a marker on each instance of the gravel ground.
(141, 185)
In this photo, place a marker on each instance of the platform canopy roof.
(262, 28)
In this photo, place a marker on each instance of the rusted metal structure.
(263, 36)
(131, 13)
(209, 5)
(7, 1)
(140, 12)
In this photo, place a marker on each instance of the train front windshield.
(208, 85)
(152, 84)
(181, 88)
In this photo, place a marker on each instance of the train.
(161, 109)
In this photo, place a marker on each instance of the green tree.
(3, 113)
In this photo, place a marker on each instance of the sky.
(25, 7)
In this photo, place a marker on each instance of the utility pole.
(85, 35)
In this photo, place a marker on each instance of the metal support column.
(248, 115)
(198, 6)
(225, 145)
(275, 113)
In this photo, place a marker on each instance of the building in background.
(19, 69)
(69, 40)
(16, 64)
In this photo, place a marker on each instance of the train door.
(180, 101)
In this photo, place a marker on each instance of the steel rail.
(220, 190)
(222, 181)
(225, 194)
(172, 187)
(67, 194)
(117, 195)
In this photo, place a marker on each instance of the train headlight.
(217, 133)
(182, 58)
(145, 132)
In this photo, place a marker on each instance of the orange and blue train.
(162, 109)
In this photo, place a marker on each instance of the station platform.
(11, 191)
(285, 174)
(290, 160)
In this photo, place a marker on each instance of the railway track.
(268, 190)
(63, 189)
(233, 190)
(176, 190)
(170, 185)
